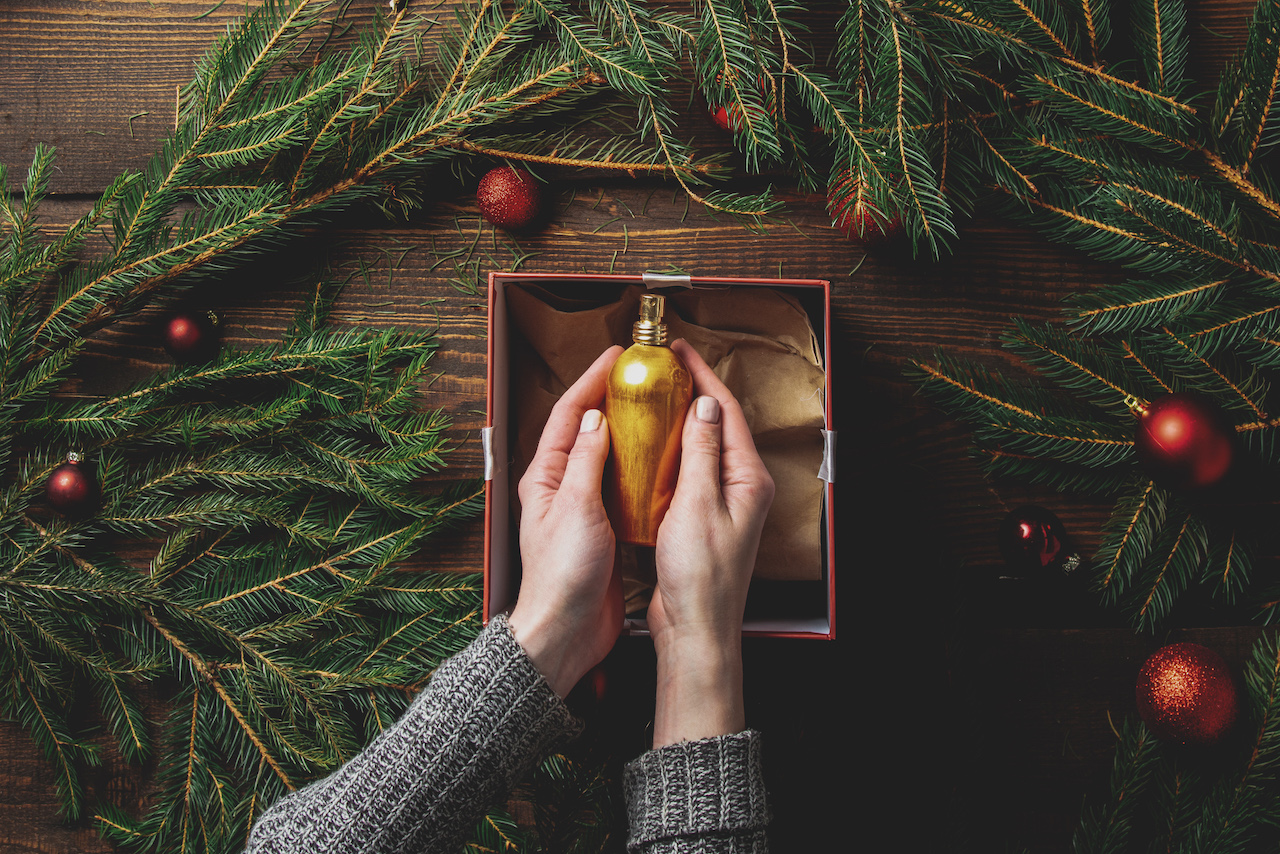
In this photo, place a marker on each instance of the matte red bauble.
(190, 336)
(853, 214)
(1184, 441)
(1186, 694)
(509, 197)
(1031, 540)
(71, 488)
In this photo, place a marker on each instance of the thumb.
(585, 468)
(700, 448)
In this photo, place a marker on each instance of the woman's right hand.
(706, 552)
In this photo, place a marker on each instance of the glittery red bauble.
(1184, 441)
(853, 214)
(71, 489)
(509, 197)
(190, 336)
(1186, 694)
(1031, 539)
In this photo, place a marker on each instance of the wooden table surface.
(953, 710)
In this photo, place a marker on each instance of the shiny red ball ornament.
(190, 336)
(71, 488)
(1186, 694)
(1184, 441)
(509, 198)
(1032, 540)
(861, 221)
(725, 119)
(729, 117)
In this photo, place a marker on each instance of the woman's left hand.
(569, 611)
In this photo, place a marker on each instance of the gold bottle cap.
(650, 328)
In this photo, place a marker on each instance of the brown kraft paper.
(759, 342)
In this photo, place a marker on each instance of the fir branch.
(1139, 304)
(1237, 390)
(1161, 25)
(1044, 29)
(1127, 536)
(1108, 830)
(1176, 556)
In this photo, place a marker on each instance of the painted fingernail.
(707, 409)
(590, 421)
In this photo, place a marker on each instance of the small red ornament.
(1186, 694)
(71, 487)
(1184, 441)
(509, 198)
(191, 336)
(730, 117)
(853, 214)
(1032, 540)
(724, 119)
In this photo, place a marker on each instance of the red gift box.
(774, 608)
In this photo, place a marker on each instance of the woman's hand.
(569, 611)
(706, 552)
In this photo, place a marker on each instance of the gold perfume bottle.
(646, 399)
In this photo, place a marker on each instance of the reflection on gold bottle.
(645, 402)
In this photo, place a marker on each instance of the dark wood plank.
(966, 693)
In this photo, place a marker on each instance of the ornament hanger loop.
(1135, 404)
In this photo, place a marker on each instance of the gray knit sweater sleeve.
(484, 719)
(703, 796)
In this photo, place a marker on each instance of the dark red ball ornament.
(860, 220)
(72, 489)
(1184, 441)
(190, 336)
(1186, 694)
(509, 198)
(1032, 540)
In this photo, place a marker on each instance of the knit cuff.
(506, 696)
(711, 787)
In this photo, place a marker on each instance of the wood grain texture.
(945, 688)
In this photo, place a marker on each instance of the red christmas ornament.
(191, 336)
(1032, 540)
(725, 119)
(1186, 694)
(1184, 441)
(71, 488)
(729, 118)
(853, 214)
(509, 198)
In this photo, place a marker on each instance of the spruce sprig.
(273, 488)
(1115, 162)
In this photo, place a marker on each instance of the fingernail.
(707, 409)
(590, 421)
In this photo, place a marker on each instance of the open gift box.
(767, 340)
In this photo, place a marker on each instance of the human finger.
(586, 393)
(585, 467)
(735, 434)
(700, 447)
